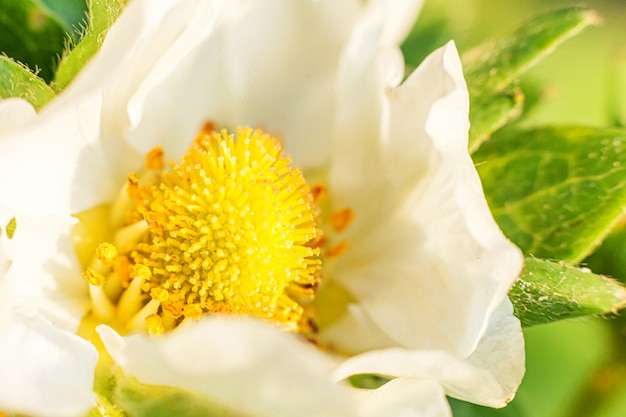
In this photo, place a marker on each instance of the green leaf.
(494, 66)
(18, 81)
(102, 14)
(143, 400)
(496, 110)
(555, 192)
(548, 291)
(31, 34)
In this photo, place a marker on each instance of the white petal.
(354, 331)
(75, 156)
(45, 371)
(161, 34)
(427, 262)
(244, 364)
(15, 113)
(501, 352)
(43, 162)
(42, 272)
(366, 71)
(269, 64)
(403, 397)
(417, 364)
(490, 376)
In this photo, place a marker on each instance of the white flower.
(44, 370)
(419, 295)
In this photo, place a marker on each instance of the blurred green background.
(583, 79)
(575, 367)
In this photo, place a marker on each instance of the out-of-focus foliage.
(492, 68)
(32, 34)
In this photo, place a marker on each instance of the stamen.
(154, 324)
(132, 185)
(208, 127)
(138, 321)
(102, 306)
(123, 268)
(126, 237)
(192, 311)
(231, 229)
(106, 253)
(341, 219)
(131, 300)
(338, 249)
(94, 278)
(154, 159)
(318, 192)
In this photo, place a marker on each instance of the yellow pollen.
(142, 271)
(159, 294)
(153, 223)
(94, 278)
(341, 219)
(106, 253)
(231, 229)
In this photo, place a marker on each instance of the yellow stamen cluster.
(228, 230)
(229, 227)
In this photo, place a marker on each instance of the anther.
(318, 192)
(208, 127)
(94, 278)
(154, 159)
(186, 248)
(341, 219)
(106, 253)
(192, 311)
(123, 268)
(132, 185)
(338, 249)
(159, 294)
(142, 271)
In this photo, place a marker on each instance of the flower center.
(231, 229)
